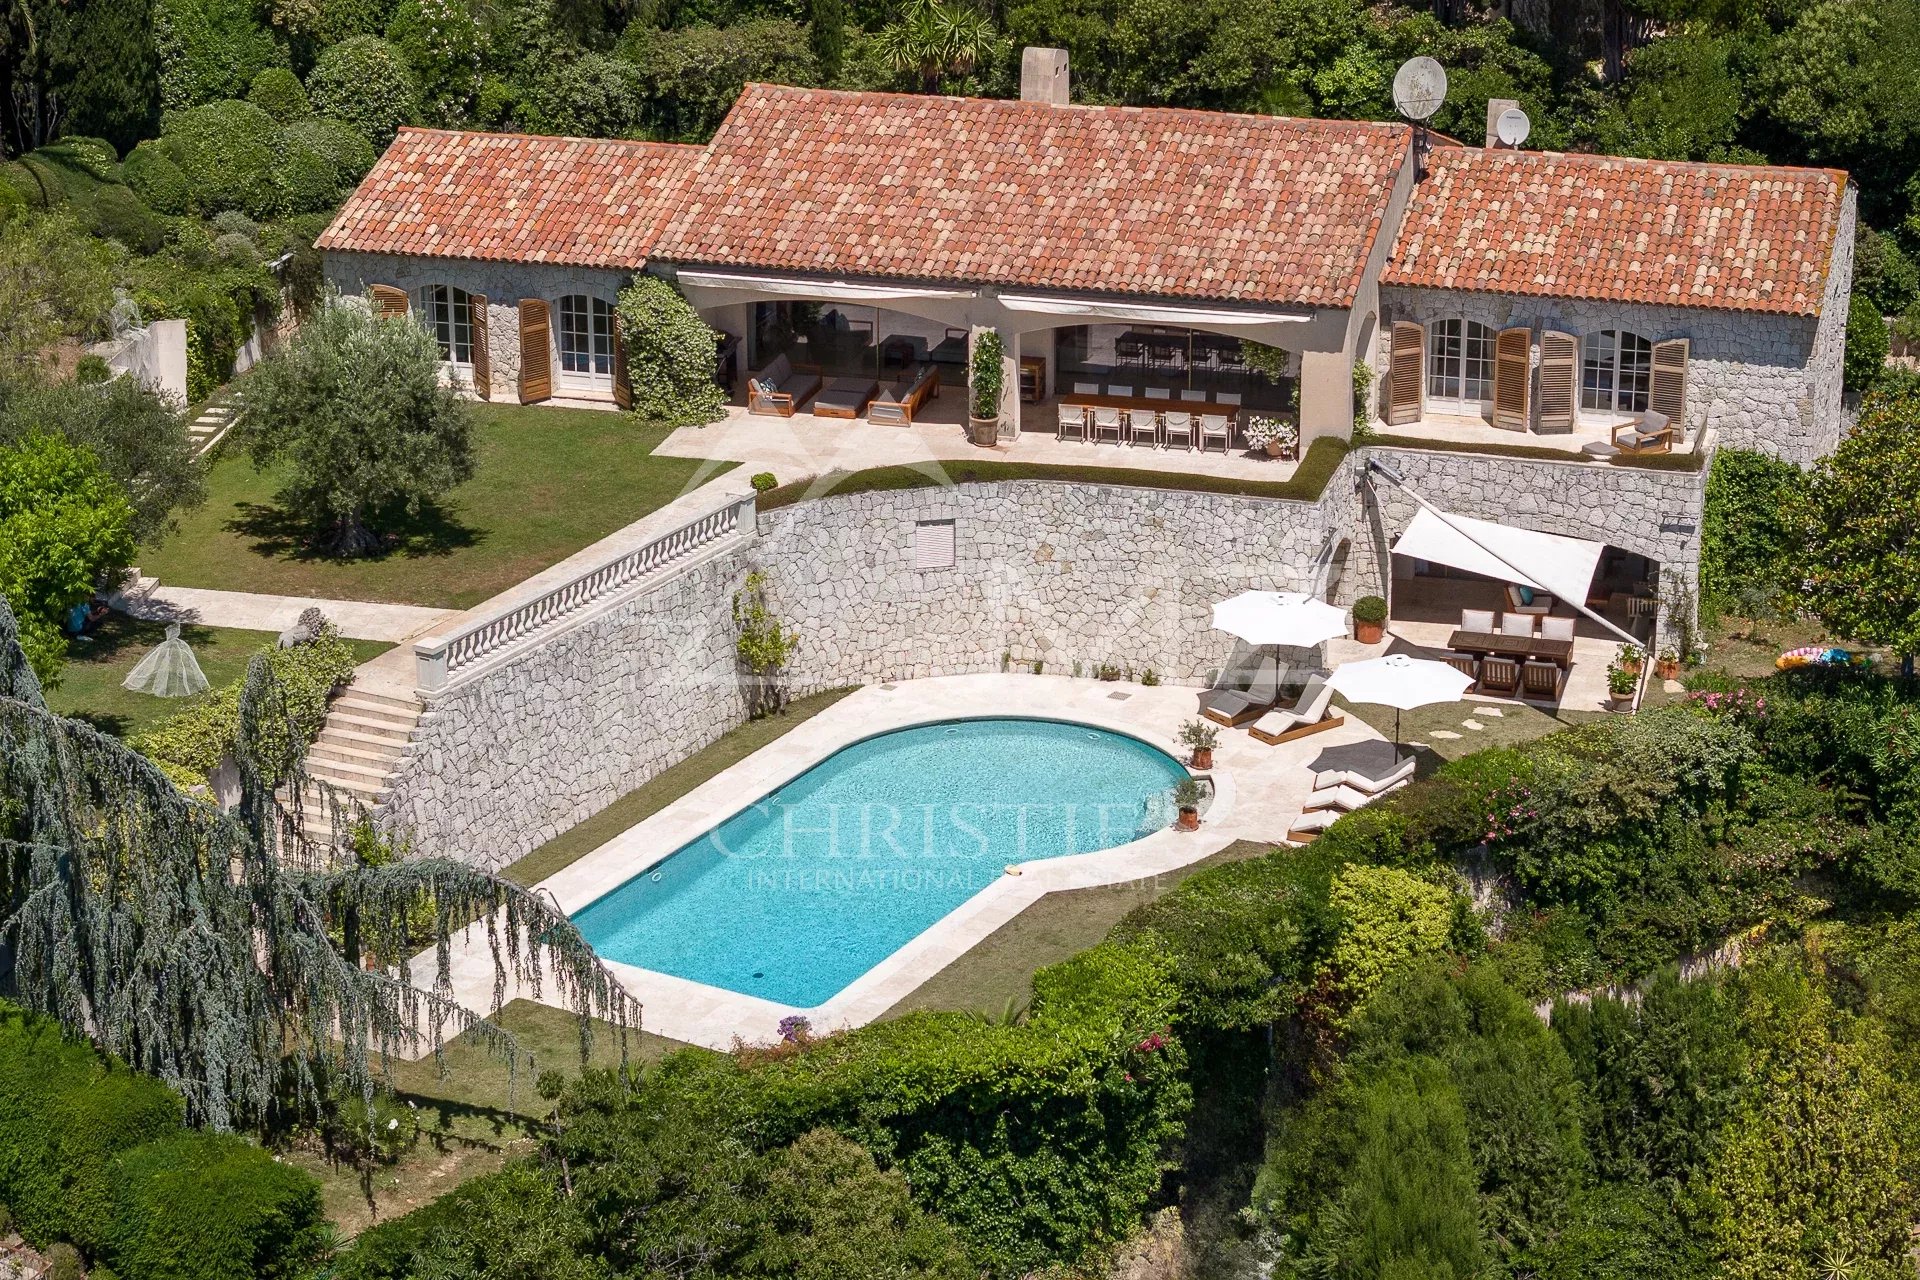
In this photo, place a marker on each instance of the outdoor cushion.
(1514, 624)
(1526, 594)
(1478, 621)
(1556, 628)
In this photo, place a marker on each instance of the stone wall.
(520, 751)
(1062, 573)
(1759, 381)
(503, 284)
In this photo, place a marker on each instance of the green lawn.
(1515, 723)
(664, 788)
(89, 687)
(547, 482)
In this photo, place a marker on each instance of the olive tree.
(356, 414)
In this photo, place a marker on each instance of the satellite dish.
(1512, 127)
(1419, 88)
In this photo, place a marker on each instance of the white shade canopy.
(1399, 681)
(1279, 617)
(1544, 561)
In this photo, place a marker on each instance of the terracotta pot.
(1369, 632)
(1276, 448)
(984, 432)
(1667, 670)
(1619, 701)
(1203, 758)
(1189, 819)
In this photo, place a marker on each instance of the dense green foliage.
(1746, 535)
(98, 1156)
(354, 414)
(670, 354)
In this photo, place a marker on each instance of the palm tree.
(935, 38)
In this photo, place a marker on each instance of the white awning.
(829, 290)
(1544, 561)
(1148, 313)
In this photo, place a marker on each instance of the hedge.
(227, 151)
(97, 1155)
(156, 179)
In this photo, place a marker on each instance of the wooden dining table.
(1101, 400)
(1558, 652)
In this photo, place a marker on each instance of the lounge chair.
(1649, 433)
(1500, 676)
(1334, 779)
(1347, 799)
(1177, 424)
(1556, 628)
(1216, 426)
(1234, 707)
(1527, 600)
(1309, 714)
(1477, 621)
(780, 388)
(1143, 425)
(1106, 422)
(1073, 422)
(1308, 826)
(1543, 680)
(896, 405)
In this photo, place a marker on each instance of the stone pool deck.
(1259, 791)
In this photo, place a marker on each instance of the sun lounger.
(1332, 779)
(1308, 715)
(1233, 707)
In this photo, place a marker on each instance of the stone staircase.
(213, 422)
(366, 736)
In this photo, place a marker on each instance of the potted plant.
(1186, 798)
(1631, 658)
(1107, 671)
(1200, 737)
(1275, 435)
(1620, 683)
(1667, 667)
(986, 382)
(1369, 619)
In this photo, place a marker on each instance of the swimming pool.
(800, 893)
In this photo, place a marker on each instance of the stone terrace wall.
(517, 753)
(1063, 573)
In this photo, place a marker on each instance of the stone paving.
(357, 619)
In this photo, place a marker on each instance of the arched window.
(447, 313)
(1460, 361)
(1616, 368)
(586, 341)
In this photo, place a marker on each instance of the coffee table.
(845, 397)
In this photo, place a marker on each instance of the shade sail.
(1544, 561)
(1279, 617)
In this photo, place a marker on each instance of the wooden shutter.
(1512, 378)
(1559, 380)
(388, 302)
(622, 384)
(1668, 391)
(536, 351)
(482, 357)
(1407, 373)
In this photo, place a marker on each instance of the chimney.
(1043, 76)
(1494, 107)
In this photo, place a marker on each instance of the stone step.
(355, 695)
(370, 791)
(391, 745)
(383, 760)
(368, 720)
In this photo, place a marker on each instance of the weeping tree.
(227, 954)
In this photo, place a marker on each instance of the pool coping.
(716, 1018)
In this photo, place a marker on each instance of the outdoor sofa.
(780, 388)
(896, 404)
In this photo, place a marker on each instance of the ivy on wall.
(670, 355)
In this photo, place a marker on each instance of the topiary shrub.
(116, 213)
(670, 353)
(1370, 609)
(764, 482)
(277, 91)
(320, 160)
(227, 152)
(213, 1207)
(366, 82)
(156, 179)
(92, 156)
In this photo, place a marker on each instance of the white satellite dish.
(1419, 87)
(1512, 127)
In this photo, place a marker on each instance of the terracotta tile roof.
(1736, 237)
(514, 198)
(1145, 201)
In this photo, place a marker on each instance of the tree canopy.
(63, 521)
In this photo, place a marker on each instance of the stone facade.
(522, 750)
(503, 284)
(1758, 381)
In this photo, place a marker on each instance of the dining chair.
(1516, 624)
(1143, 424)
(1119, 389)
(1194, 397)
(1086, 388)
(1499, 675)
(1543, 679)
(1159, 393)
(1073, 422)
(1229, 398)
(1477, 621)
(1215, 426)
(1556, 628)
(1466, 664)
(1106, 422)
(1177, 424)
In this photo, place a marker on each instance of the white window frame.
(580, 337)
(1454, 378)
(446, 312)
(1614, 388)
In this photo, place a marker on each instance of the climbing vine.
(223, 953)
(763, 645)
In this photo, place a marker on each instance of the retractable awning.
(1149, 313)
(1543, 561)
(829, 290)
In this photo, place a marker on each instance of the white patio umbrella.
(1279, 617)
(1400, 682)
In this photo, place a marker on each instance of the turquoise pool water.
(797, 895)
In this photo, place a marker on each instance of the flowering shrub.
(795, 1029)
(1261, 431)
(1741, 703)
